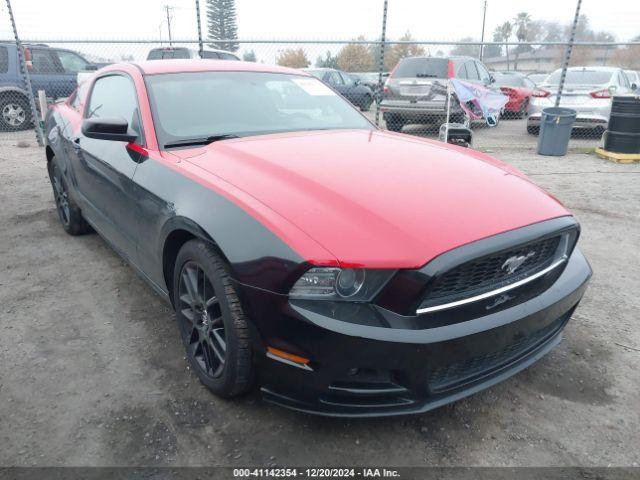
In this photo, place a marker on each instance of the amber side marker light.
(288, 358)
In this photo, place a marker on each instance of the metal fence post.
(381, 64)
(200, 46)
(26, 78)
(567, 57)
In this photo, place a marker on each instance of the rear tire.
(69, 213)
(533, 130)
(522, 113)
(212, 323)
(366, 104)
(394, 123)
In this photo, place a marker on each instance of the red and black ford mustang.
(344, 269)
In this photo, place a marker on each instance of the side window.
(228, 56)
(483, 72)
(4, 60)
(334, 78)
(79, 96)
(115, 96)
(472, 71)
(623, 80)
(346, 79)
(72, 62)
(44, 61)
(462, 72)
(211, 55)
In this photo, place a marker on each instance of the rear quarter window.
(422, 67)
(4, 60)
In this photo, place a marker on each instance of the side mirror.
(492, 79)
(356, 81)
(116, 129)
(634, 86)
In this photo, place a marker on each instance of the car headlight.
(330, 283)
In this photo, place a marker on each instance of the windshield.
(164, 53)
(581, 77)
(422, 67)
(503, 80)
(316, 73)
(207, 104)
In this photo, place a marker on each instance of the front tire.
(69, 213)
(212, 323)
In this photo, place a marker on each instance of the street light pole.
(484, 17)
(168, 9)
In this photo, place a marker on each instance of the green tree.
(522, 22)
(401, 50)
(221, 23)
(468, 50)
(505, 34)
(355, 57)
(491, 51)
(329, 61)
(293, 58)
(249, 56)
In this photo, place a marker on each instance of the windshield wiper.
(425, 75)
(201, 141)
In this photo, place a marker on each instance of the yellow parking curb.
(618, 157)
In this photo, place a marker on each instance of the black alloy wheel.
(200, 307)
(213, 326)
(61, 196)
(68, 211)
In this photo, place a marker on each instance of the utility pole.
(383, 39)
(200, 46)
(168, 9)
(567, 57)
(484, 17)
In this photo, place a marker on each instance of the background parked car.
(370, 79)
(349, 87)
(416, 89)
(164, 53)
(634, 78)
(519, 89)
(537, 78)
(588, 90)
(53, 70)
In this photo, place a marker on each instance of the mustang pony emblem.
(511, 264)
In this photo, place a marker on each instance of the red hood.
(371, 199)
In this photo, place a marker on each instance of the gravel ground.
(92, 371)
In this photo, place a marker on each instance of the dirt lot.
(92, 371)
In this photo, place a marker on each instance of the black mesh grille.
(451, 376)
(487, 273)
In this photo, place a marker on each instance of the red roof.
(151, 67)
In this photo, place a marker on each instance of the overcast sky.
(306, 19)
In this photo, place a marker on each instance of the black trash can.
(555, 130)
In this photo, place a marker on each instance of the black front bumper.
(359, 370)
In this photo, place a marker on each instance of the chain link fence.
(403, 89)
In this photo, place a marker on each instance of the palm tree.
(522, 22)
(505, 32)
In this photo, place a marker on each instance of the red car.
(343, 269)
(519, 89)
